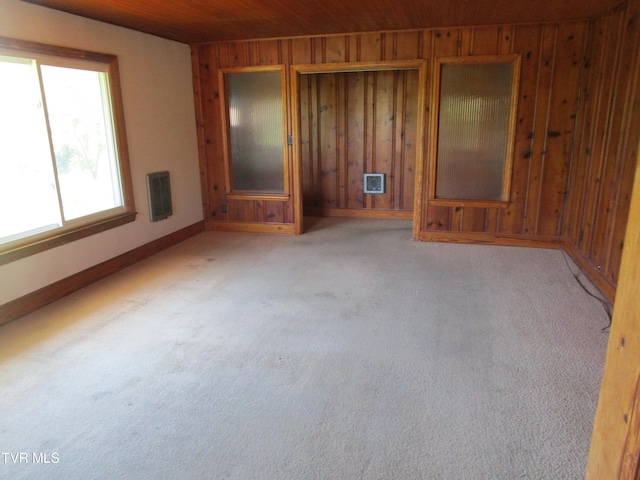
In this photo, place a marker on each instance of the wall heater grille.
(374, 183)
(159, 195)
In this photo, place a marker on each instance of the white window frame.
(24, 246)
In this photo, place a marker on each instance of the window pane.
(80, 122)
(28, 199)
(255, 117)
(473, 130)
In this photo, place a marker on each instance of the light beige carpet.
(350, 352)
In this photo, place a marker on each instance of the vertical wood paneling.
(474, 220)
(301, 50)
(368, 124)
(601, 96)
(506, 39)
(465, 43)
(527, 41)
(370, 47)
(445, 43)
(335, 49)
(307, 138)
(397, 170)
(200, 129)
(388, 46)
(541, 122)
(407, 45)
(341, 138)
(357, 122)
(209, 94)
(269, 52)
(485, 40)
(604, 219)
(606, 149)
(369, 148)
(237, 54)
(586, 119)
(408, 139)
(570, 41)
(384, 125)
(327, 140)
(547, 103)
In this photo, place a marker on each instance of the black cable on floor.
(604, 303)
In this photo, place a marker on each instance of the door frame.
(305, 69)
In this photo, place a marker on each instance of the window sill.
(23, 251)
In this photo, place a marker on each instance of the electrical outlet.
(224, 208)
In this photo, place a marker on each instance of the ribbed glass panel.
(255, 117)
(473, 130)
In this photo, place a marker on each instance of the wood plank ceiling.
(196, 21)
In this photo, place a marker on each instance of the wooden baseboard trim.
(35, 300)
(595, 276)
(281, 228)
(534, 241)
(358, 213)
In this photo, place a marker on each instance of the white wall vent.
(374, 183)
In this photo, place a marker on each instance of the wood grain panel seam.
(577, 215)
(544, 143)
(403, 133)
(584, 225)
(536, 102)
(574, 141)
(608, 124)
(344, 173)
(623, 144)
(394, 134)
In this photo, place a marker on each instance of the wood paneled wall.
(355, 123)
(577, 130)
(551, 68)
(606, 147)
(547, 103)
(206, 60)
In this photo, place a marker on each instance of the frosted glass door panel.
(473, 132)
(255, 120)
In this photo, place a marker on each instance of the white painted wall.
(157, 91)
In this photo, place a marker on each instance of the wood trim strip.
(28, 46)
(200, 130)
(297, 151)
(593, 273)
(615, 444)
(256, 227)
(366, 66)
(421, 150)
(446, 202)
(509, 240)
(264, 197)
(358, 213)
(35, 300)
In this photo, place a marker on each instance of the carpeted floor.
(350, 352)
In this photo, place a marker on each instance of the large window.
(63, 164)
(475, 120)
(254, 118)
